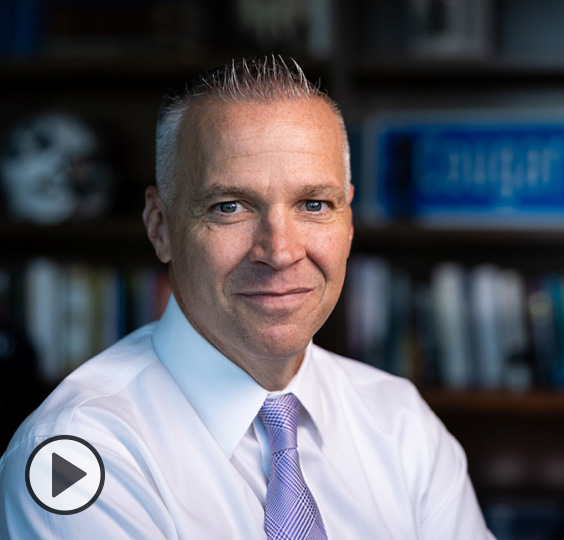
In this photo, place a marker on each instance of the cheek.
(212, 257)
(329, 250)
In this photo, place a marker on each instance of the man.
(196, 416)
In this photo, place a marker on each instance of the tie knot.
(280, 417)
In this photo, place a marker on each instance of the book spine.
(487, 321)
(44, 316)
(368, 309)
(452, 325)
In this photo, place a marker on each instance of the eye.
(229, 207)
(314, 206)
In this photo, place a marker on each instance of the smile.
(277, 300)
(277, 293)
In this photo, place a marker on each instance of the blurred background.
(455, 112)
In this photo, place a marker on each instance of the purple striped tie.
(291, 510)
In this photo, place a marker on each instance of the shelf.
(121, 67)
(472, 402)
(411, 235)
(114, 239)
(455, 70)
(149, 68)
(420, 249)
(512, 441)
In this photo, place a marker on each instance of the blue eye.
(313, 206)
(228, 207)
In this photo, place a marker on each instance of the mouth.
(274, 301)
(277, 293)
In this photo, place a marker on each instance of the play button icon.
(65, 474)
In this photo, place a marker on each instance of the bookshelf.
(511, 437)
(120, 94)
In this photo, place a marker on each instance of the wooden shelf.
(150, 69)
(512, 441)
(419, 249)
(549, 403)
(113, 240)
(410, 234)
(455, 70)
(135, 66)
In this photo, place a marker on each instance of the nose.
(278, 241)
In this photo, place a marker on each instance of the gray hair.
(266, 80)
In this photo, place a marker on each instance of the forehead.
(312, 113)
(216, 131)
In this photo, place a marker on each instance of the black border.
(96, 455)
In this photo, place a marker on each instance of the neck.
(273, 375)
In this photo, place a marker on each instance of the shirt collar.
(226, 398)
(305, 386)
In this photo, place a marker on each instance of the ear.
(155, 219)
(349, 201)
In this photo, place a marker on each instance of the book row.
(70, 312)
(100, 27)
(480, 327)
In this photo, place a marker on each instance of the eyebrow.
(330, 191)
(214, 192)
(220, 191)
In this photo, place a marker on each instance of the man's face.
(260, 235)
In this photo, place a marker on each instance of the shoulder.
(109, 402)
(105, 385)
(376, 401)
(385, 411)
(366, 381)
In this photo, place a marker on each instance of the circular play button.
(65, 474)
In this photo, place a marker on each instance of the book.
(448, 285)
(320, 37)
(554, 367)
(398, 355)
(22, 27)
(487, 321)
(78, 321)
(44, 311)
(457, 170)
(458, 28)
(426, 361)
(541, 316)
(368, 309)
(514, 336)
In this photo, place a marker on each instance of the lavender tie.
(291, 510)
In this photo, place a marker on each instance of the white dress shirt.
(186, 457)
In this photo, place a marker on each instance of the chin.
(280, 342)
